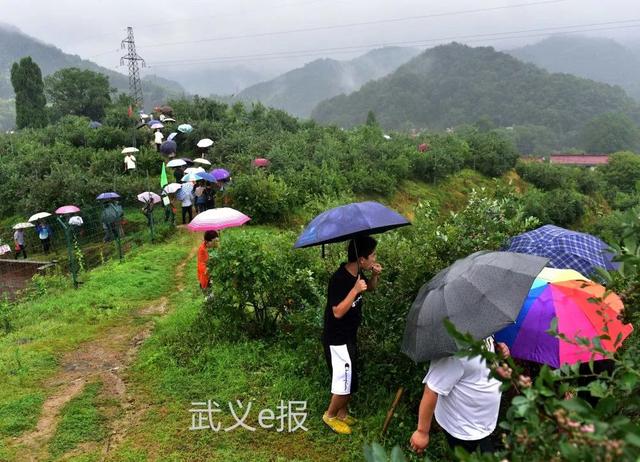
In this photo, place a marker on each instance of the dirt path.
(104, 359)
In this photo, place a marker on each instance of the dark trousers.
(23, 251)
(187, 210)
(485, 445)
(46, 244)
(201, 206)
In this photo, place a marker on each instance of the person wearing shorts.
(342, 318)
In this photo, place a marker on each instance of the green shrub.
(259, 282)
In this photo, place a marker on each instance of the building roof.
(581, 159)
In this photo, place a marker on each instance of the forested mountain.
(14, 45)
(300, 90)
(456, 84)
(600, 59)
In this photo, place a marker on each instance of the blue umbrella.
(153, 121)
(94, 124)
(168, 147)
(349, 221)
(581, 252)
(206, 176)
(185, 128)
(172, 136)
(108, 195)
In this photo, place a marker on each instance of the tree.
(26, 79)
(491, 154)
(371, 118)
(622, 171)
(73, 91)
(610, 133)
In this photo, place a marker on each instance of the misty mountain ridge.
(455, 84)
(15, 44)
(300, 90)
(599, 59)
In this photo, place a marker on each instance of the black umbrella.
(479, 294)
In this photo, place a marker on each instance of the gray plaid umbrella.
(480, 294)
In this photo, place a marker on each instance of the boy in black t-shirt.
(342, 317)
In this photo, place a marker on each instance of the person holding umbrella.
(343, 313)
(18, 240)
(342, 318)
(210, 240)
(44, 233)
(157, 138)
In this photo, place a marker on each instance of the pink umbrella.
(148, 197)
(67, 209)
(260, 162)
(216, 219)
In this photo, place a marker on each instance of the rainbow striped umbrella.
(583, 310)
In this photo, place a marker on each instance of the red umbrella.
(260, 162)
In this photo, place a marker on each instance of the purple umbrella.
(220, 174)
(349, 221)
(168, 147)
(108, 195)
(153, 121)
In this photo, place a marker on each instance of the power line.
(354, 24)
(468, 38)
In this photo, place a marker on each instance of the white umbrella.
(156, 126)
(172, 188)
(205, 143)
(23, 225)
(39, 216)
(168, 119)
(148, 196)
(200, 160)
(176, 163)
(130, 150)
(76, 221)
(386, 137)
(190, 177)
(194, 170)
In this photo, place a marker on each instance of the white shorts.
(341, 361)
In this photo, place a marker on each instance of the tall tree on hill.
(611, 132)
(78, 92)
(26, 79)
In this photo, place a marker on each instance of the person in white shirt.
(464, 399)
(158, 137)
(129, 163)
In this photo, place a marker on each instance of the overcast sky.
(191, 32)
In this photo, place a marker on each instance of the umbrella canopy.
(169, 147)
(386, 137)
(165, 109)
(95, 124)
(205, 143)
(480, 294)
(157, 126)
(202, 161)
(260, 162)
(348, 221)
(76, 221)
(23, 225)
(172, 188)
(176, 163)
(220, 174)
(565, 249)
(153, 121)
(194, 170)
(172, 136)
(39, 216)
(149, 196)
(108, 195)
(168, 119)
(129, 150)
(582, 308)
(185, 128)
(67, 209)
(189, 177)
(216, 219)
(206, 176)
